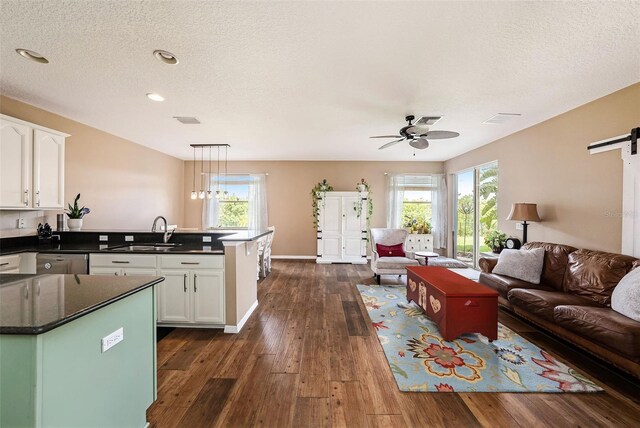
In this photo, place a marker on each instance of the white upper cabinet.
(31, 165)
(48, 169)
(15, 164)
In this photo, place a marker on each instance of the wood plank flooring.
(309, 357)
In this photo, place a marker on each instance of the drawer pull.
(189, 263)
(4, 264)
(471, 304)
(121, 261)
(185, 282)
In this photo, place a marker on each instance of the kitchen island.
(223, 294)
(77, 350)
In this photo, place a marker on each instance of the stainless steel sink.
(144, 247)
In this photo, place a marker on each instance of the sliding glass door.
(476, 208)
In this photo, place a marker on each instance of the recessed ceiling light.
(165, 56)
(33, 56)
(155, 97)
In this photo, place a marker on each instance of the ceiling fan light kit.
(417, 134)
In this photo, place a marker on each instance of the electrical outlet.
(103, 238)
(20, 223)
(112, 339)
(206, 239)
(128, 238)
(519, 226)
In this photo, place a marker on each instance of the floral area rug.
(421, 360)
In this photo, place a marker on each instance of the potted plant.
(495, 239)
(76, 214)
(363, 186)
(317, 194)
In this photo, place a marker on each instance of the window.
(418, 202)
(242, 203)
(476, 206)
(234, 209)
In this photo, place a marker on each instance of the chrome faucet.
(167, 232)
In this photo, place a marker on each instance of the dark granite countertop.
(35, 304)
(88, 242)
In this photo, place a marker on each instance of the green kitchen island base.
(62, 377)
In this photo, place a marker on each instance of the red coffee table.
(457, 304)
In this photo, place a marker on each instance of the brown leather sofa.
(573, 301)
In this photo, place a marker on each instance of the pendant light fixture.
(226, 194)
(208, 193)
(194, 194)
(201, 193)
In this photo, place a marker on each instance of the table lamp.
(524, 213)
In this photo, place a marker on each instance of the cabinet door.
(331, 216)
(15, 164)
(48, 170)
(352, 224)
(105, 271)
(143, 272)
(208, 296)
(352, 247)
(174, 296)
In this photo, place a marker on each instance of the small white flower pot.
(74, 223)
(361, 188)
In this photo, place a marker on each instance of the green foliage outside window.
(234, 212)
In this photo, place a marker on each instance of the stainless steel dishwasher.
(62, 263)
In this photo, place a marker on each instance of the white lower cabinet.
(192, 293)
(193, 290)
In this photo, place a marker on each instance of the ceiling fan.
(417, 133)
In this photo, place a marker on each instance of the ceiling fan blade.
(439, 135)
(419, 143)
(387, 136)
(384, 146)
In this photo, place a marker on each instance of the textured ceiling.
(313, 80)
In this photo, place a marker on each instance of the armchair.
(389, 265)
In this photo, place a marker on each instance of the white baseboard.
(238, 327)
(294, 257)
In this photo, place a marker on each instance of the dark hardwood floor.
(309, 356)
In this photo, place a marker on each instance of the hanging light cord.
(194, 169)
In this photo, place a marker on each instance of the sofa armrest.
(487, 264)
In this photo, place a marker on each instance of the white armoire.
(342, 227)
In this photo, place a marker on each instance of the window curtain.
(395, 196)
(210, 213)
(257, 206)
(439, 204)
(258, 215)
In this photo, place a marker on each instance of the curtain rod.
(633, 137)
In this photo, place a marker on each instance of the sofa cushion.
(594, 274)
(503, 284)
(603, 326)
(395, 262)
(390, 250)
(542, 303)
(521, 264)
(625, 298)
(556, 257)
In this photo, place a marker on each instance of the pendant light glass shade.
(194, 195)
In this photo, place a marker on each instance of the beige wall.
(289, 187)
(125, 184)
(579, 195)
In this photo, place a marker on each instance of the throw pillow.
(521, 264)
(625, 298)
(390, 250)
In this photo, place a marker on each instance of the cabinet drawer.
(192, 262)
(10, 264)
(123, 260)
(412, 239)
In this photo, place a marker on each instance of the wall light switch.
(20, 223)
(103, 238)
(519, 226)
(206, 239)
(113, 339)
(128, 238)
